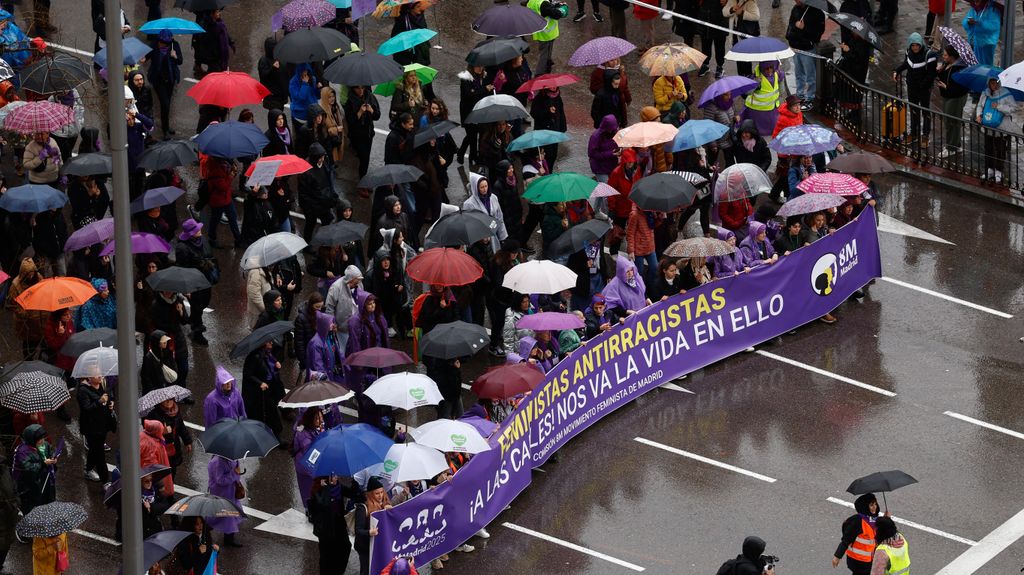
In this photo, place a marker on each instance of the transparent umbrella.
(271, 249)
(96, 362)
(740, 181)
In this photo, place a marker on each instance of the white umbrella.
(404, 390)
(97, 362)
(1013, 77)
(411, 462)
(450, 435)
(539, 276)
(271, 249)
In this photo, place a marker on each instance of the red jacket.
(218, 175)
(621, 206)
(55, 341)
(734, 214)
(787, 119)
(152, 450)
(639, 235)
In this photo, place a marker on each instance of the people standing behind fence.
(983, 24)
(919, 64)
(996, 109)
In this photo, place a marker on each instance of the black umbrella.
(495, 51)
(509, 20)
(577, 237)
(339, 233)
(461, 228)
(662, 193)
(23, 366)
(315, 393)
(82, 341)
(169, 154)
(155, 470)
(260, 336)
(158, 546)
(880, 481)
(179, 280)
(91, 164)
(822, 5)
(494, 112)
(312, 45)
(51, 520)
(60, 72)
(858, 26)
(432, 132)
(34, 392)
(156, 198)
(389, 175)
(204, 505)
(234, 438)
(363, 69)
(201, 5)
(455, 339)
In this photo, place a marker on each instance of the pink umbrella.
(644, 134)
(603, 190)
(142, 243)
(832, 183)
(41, 116)
(306, 14)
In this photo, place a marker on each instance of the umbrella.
(363, 69)
(291, 165)
(740, 181)
(433, 131)
(155, 470)
(550, 321)
(54, 74)
(809, 204)
(484, 427)
(405, 41)
(444, 267)
(858, 26)
(228, 89)
(311, 45)
(963, 47)
(96, 362)
(315, 393)
(90, 164)
(169, 154)
(539, 277)
(236, 438)
(158, 546)
(449, 435)
(306, 14)
(134, 51)
(178, 280)
(378, 357)
(644, 134)
(560, 187)
(82, 341)
(547, 81)
(603, 190)
(600, 50)
(141, 243)
(29, 366)
(880, 481)
(692, 177)
(736, 85)
(154, 398)
(426, 74)
(389, 175)
(347, 449)
(861, 163)
(453, 339)
(1013, 77)
(156, 198)
(536, 139)
(34, 392)
(90, 234)
(201, 5)
(975, 78)
(339, 233)
(260, 336)
(32, 199)
(662, 193)
(699, 248)
(507, 381)
(695, 133)
(231, 139)
(759, 49)
(6, 72)
(496, 51)
(805, 140)
(461, 228)
(174, 26)
(822, 5)
(271, 249)
(412, 462)
(404, 390)
(577, 237)
(494, 108)
(671, 59)
(832, 183)
(204, 505)
(52, 294)
(509, 20)
(51, 520)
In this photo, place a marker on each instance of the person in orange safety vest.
(858, 541)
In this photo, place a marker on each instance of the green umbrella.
(405, 41)
(536, 139)
(561, 187)
(424, 73)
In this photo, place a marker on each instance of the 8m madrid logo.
(829, 268)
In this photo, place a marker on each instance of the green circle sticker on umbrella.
(426, 75)
(405, 41)
(561, 187)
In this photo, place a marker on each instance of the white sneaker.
(465, 548)
(392, 332)
(989, 173)
(483, 534)
(91, 475)
(999, 177)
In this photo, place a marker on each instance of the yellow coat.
(663, 88)
(44, 554)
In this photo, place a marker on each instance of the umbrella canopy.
(832, 183)
(1013, 77)
(805, 140)
(235, 438)
(600, 50)
(405, 41)
(412, 462)
(306, 14)
(450, 436)
(174, 26)
(178, 280)
(232, 139)
(389, 175)
(52, 294)
(496, 51)
(735, 85)
(509, 20)
(550, 321)
(32, 199)
(692, 177)
(484, 427)
(90, 164)
(260, 336)
(858, 26)
(560, 187)
(444, 267)
(346, 449)
(155, 198)
(861, 163)
(363, 69)
(154, 398)
(51, 520)
(671, 59)
(404, 390)
(454, 339)
(54, 74)
(740, 181)
(202, 5)
(975, 79)
(90, 234)
(378, 357)
(695, 133)
(539, 277)
(536, 139)
(880, 481)
(96, 362)
(644, 134)
(432, 131)
(699, 248)
(822, 5)
(603, 190)
(158, 546)
(290, 165)
(759, 49)
(426, 74)
(547, 81)
(662, 193)
(339, 233)
(204, 505)
(311, 45)
(809, 204)
(963, 47)
(507, 381)
(228, 89)
(169, 154)
(495, 108)
(315, 393)
(141, 243)
(577, 237)
(6, 72)
(271, 249)
(461, 228)
(155, 470)
(28, 366)
(134, 51)
(34, 392)
(82, 341)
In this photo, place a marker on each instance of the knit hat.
(374, 483)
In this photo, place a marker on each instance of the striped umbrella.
(832, 183)
(51, 520)
(671, 59)
(41, 116)
(34, 392)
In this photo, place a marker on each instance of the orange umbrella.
(644, 134)
(56, 293)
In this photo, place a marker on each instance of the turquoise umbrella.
(172, 25)
(341, 3)
(536, 139)
(406, 40)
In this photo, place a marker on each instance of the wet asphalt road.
(811, 433)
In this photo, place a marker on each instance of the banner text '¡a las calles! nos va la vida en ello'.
(661, 342)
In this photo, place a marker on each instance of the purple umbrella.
(809, 204)
(550, 320)
(378, 357)
(155, 198)
(142, 243)
(599, 51)
(509, 20)
(737, 85)
(91, 234)
(485, 426)
(759, 49)
(805, 140)
(962, 46)
(306, 14)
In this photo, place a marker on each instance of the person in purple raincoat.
(224, 401)
(757, 250)
(729, 264)
(624, 294)
(324, 353)
(311, 424)
(225, 475)
(532, 351)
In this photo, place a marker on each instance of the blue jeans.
(647, 266)
(806, 76)
(214, 221)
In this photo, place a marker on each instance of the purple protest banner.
(660, 343)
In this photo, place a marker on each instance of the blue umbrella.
(536, 139)
(32, 199)
(736, 85)
(805, 140)
(347, 449)
(172, 25)
(694, 133)
(975, 78)
(759, 49)
(134, 50)
(231, 139)
(405, 41)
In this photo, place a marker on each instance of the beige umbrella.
(699, 248)
(671, 59)
(644, 134)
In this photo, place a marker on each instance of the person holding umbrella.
(177, 437)
(33, 469)
(42, 159)
(165, 74)
(225, 480)
(198, 549)
(954, 98)
(262, 387)
(316, 192)
(859, 536)
(96, 419)
(361, 111)
(806, 26)
(473, 86)
(191, 251)
(342, 302)
(996, 108)
(212, 48)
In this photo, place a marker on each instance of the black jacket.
(398, 147)
(360, 130)
(95, 418)
(277, 146)
(543, 117)
(920, 69)
(178, 438)
(953, 88)
(805, 38)
(760, 156)
(472, 89)
(305, 329)
(274, 78)
(164, 317)
(316, 194)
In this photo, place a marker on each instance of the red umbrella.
(228, 89)
(548, 81)
(444, 267)
(378, 357)
(39, 116)
(507, 381)
(290, 165)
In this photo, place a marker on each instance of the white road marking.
(826, 373)
(195, 426)
(675, 387)
(917, 526)
(70, 49)
(891, 225)
(95, 537)
(381, 131)
(991, 545)
(574, 547)
(703, 459)
(971, 305)
(984, 424)
(292, 523)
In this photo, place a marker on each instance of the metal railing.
(955, 143)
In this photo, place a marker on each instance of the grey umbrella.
(91, 164)
(51, 520)
(169, 154)
(509, 20)
(271, 249)
(363, 69)
(389, 175)
(461, 228)
(82, 341)
(312, 45)
(204, 505)
(495, 51)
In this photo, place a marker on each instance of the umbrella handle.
(884, 502)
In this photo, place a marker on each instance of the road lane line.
(95, 537)
(192, 80)
(574, 547)
(69, 49)
(985, 550)
(965, 303)
(675, 387)
(703, 459)
(984, 424)
(917, 526)
(826, 373)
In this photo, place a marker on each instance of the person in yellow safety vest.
(858, 540)
(552, 12)
(892, 555)
(762, 104)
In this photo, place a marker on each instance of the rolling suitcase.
(894, 118)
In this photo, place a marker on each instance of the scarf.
(149, 495)
(197, 241)
(284, 134)
(485, 200)
(632, 281)
(510, 180)
(271, 365)
(749, 144)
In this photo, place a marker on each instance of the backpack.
(729, 567)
